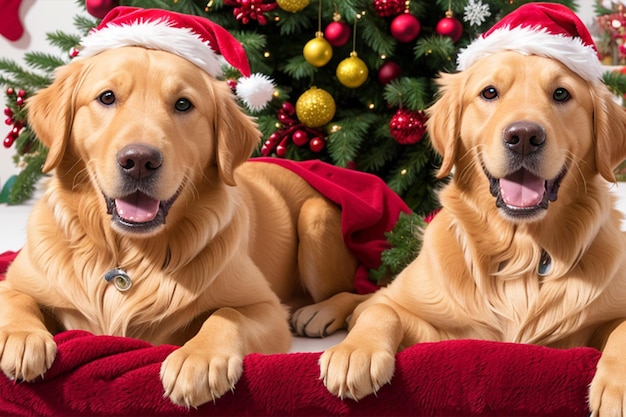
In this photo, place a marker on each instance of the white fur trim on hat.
(571, 51)
(155, 34)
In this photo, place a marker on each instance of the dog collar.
(120, 279)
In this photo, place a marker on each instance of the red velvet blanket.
(104, 375)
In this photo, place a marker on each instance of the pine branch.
(43, 61)
(615, 81)
(411, 93)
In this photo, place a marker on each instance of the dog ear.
(444, 118)
(609, 120)
(237, 135)
(51, 113)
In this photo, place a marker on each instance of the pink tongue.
(522, 189)
(137, 208)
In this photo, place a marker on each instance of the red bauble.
(405, 27)
(385, 8)
(300, 137)
(317, 144)
(337, 33)
(99, 8)
(408, 127)
(451, 27)
(388, 72)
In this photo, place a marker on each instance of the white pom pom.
(256, 91)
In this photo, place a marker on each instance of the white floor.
(13, 234)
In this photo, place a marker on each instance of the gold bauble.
(315, 107)
(292, 5)
(352, 71)
(318, 51)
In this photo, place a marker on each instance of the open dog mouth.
(523, 194)
(139, 212)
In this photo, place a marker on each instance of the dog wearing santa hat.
(152, 226)
(528, 247)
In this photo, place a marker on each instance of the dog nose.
(524, 137)
(139, 160)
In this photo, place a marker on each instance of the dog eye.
(561, 95)
(107, 98)
(183, 104)
(489, 93)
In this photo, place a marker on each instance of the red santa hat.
(194, 38)
(543, 29)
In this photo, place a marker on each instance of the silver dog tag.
(120, 279)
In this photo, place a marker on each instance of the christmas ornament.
(194, 38)
(317, 144)
(556, 32)
(100, 8)
(247, 10)
(408, 127)
(318, 51)
(315, 107)
(10, 25)
(291, 128)
(388, 72)
(292, 5)
(385, 8)
(352, 71)
(337, 33)
(450, 26)
(18, 98)
(405, 27)
(476, 12)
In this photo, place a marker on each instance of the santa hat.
(543, 29)
(194, 38)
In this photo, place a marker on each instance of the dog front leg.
(27, 348)
(211, 363)
(362, 363)
(607, 393)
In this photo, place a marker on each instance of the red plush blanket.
(104, 375)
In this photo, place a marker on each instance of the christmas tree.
(352, 79)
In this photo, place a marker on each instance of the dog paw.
(191, 378)
(26, 355)
(607, 392)
(350, 371)
(317, 321)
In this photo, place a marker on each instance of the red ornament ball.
(100, 8)
(388, 72)
(317, 144)
(405, 27)
(300, 137)
(407, 126)
(337, 33)
(451, 27)
(385, 8)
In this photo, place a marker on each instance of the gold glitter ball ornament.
(318, 51)
(352, 72)
(315, 107)
(292, 5)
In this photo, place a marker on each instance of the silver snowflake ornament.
(476, 12)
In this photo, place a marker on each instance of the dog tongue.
(522, 189)
(137, 208)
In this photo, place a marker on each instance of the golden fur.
(477, 275)
(212, 273)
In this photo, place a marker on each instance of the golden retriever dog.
(199, 249)
(527, 247)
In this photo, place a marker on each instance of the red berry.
(316, 144)
(21, 93)
(10, 91)
(300, 138)
(8, 141)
